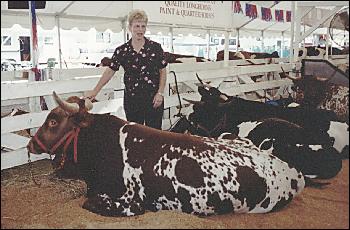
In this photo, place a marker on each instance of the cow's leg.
(104, 205)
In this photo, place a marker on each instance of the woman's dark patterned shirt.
(141, 76)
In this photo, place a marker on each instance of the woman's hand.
(157, 100)
(90, 95)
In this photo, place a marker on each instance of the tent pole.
(59, 40)
(171, 30)
(327, 45)
(208, 44)
(262, 42)
(34, 73)
(297, 32)
(125, 32)
(291, 48)
(282, 44)
(226, 51)
(238, 44)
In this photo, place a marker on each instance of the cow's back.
(337, 100)
(205, 176)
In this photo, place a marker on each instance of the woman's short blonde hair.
(137, 15)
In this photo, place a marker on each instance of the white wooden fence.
(76, 81)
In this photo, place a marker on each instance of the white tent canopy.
(84, 15)
(103, 15)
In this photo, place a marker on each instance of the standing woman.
(145, 74)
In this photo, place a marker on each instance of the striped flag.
(279, 15)
(35, 68)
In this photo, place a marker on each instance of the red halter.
(68, 137)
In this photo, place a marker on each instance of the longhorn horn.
(202, 82)
(88, 104)
(291, 78)
(223, 97)
(69, 107)
(194, 102)
(321, 78)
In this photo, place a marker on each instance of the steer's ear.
(194, 102)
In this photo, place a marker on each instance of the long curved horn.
(202, 82)
(69, 107)
(194, 102)
(88, 104)
(291, 78)
(321, 78)
(223, 97)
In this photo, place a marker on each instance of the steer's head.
(310, 90)
(63, 119)
(209, 113)
(210, 94)
(206, 117)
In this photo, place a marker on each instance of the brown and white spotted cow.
(130, 168)
(245, 55)
(317, 92)
(319, 51)
(180, 58)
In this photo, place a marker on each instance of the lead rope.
(70, 136)
(178, 95)
(31, 171)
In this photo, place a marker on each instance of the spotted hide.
(285, 140)
(317, 92)
(292, 144)
(245, 55)
(130, 168)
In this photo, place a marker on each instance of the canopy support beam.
(246, 23)
(322, 3)
(319, 22)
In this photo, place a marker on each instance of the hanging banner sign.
(196, 13)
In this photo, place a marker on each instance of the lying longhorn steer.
(324, 125)
(129, 167)
(318, 92)
(285, 140)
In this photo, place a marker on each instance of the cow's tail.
(309, 182)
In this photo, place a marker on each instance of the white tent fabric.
(103, 15)
(84, 15)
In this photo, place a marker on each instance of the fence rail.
(79, 80)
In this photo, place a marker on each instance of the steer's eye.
(52, 123)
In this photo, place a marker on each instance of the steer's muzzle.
(31, 148)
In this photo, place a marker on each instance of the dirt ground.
(57, 204)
